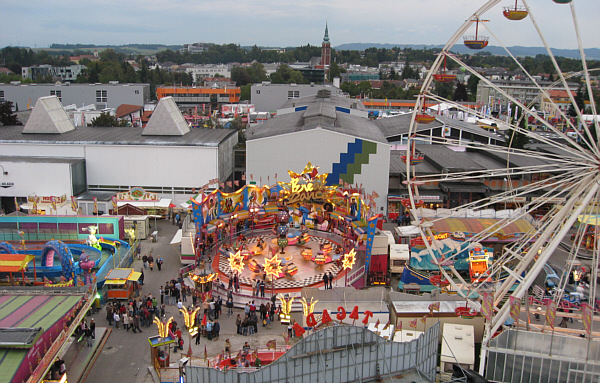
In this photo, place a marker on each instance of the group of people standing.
(148, 261)
(135, 314)
(328, 281)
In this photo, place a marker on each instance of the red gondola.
(466, 312)
(415, 158)
(444, 77)
(515, 13)
(438, 280)
(406, 203)
(476, 42)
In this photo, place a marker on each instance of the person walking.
(229, 305)
(136, 323)
(151, 262)
(109, 313)
(227, 348)
(326, 281)
(330, 280)
(88, 336)
(159, 262)
(145, 260)
(238, 323)
(117, 319)
(93, 328)
(142, 277)
(216, 330)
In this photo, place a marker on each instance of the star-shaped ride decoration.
(273, 266)
(349, 259)
(236, 261)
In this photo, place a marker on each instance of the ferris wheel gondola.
(515, 13)
(477, 41)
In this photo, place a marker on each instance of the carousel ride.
(289, 234)
(564, 180)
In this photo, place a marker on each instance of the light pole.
(253, 210)
(232, 222)
(189, 318)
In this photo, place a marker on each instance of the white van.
(399, 257)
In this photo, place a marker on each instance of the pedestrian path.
(79, 357)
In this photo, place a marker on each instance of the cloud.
(283, 22)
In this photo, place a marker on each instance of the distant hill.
(144, 49)
(591, 53)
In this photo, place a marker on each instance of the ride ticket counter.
(122, 284)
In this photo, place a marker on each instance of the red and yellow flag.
(412, 323)
(551, 313)
(586, 318)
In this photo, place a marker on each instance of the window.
(293, 94)
(57, 93)
(101, 96)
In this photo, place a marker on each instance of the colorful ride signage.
(308, 186)
(137, 194)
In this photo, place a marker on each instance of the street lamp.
(189, 318)
(232, 222)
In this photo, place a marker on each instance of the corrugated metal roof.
(320, 113)
(86, 135)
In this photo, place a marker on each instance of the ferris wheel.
(551, 189)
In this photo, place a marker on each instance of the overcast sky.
(281, 23)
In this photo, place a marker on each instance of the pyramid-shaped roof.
(48, 117)
(166, 120)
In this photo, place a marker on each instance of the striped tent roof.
(29, 311)
(11, 263)
(476, 225)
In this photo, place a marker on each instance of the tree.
(334, 71)
(472, 87)
(106, 120)
(7, 116)
(460, 93)
(516, 139)
(580, 97)
(286, 75)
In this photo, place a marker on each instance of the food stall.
(122, 284)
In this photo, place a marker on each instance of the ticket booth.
(122, 284)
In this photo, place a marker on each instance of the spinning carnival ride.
(565, 178)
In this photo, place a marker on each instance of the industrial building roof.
(320, 112)
(393, 127)
(87, 135)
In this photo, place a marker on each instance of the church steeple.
(326, 52)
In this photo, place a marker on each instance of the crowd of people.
(134, 314)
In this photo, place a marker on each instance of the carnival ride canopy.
(510, 230)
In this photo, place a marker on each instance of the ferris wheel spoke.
(525, 108)
(560, 74)
(586, 74)
(543, 93)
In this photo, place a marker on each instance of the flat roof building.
(102, 95)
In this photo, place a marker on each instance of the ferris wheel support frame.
(571, 212)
